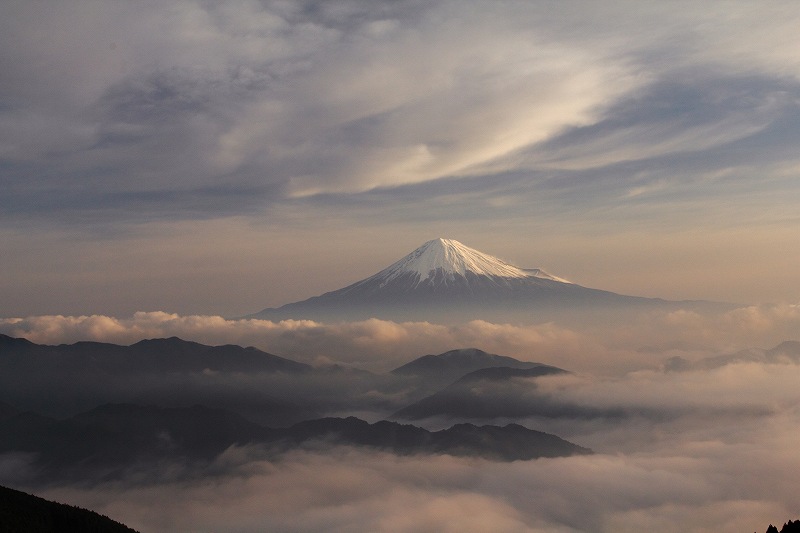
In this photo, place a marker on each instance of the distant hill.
(449, 366)
(112, 438)
(68, 378)
(147, 356)
(497, 392)
(24, 513)
(117, 436)
(787, 352)
(508, 443)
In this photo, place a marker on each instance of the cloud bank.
(381, 345)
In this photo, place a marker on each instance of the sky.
(166, 167)
(219, 158)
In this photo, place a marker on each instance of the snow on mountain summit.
(450, 257)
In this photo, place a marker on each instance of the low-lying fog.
(694, 420)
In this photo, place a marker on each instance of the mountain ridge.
(113, 438)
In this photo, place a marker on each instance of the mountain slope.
(444, 280)
(20, 511)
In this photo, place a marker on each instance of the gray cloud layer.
(698, 471)
(115, 112)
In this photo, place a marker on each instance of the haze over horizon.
(216, 159)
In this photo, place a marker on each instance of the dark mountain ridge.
(104, 443)
(146, 356)
(68, 378)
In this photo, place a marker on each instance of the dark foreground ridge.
(22, 512)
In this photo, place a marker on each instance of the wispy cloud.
(176, 109)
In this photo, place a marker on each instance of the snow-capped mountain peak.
(444, 281)
(450, 257)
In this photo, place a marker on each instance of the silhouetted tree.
(792, 526)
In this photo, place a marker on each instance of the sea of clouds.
(709, 445)
(721, 457)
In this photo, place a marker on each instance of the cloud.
(373, 343)
(161, 107)
(701, 450)
(730, 475)
(203, 111)
(608, 347)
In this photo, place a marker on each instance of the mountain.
(447, 367)
(444, 280)
(115, 437)
(110, 440)
(787, 352)
(147, 356)
(24, 512)
(507, 443)
(68, 378)
(499, 392)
